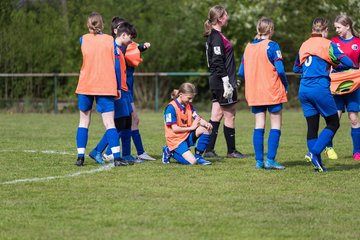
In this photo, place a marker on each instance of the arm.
(202, 122)
(241, 72)
(275, 57)
(281, 71)
(297, 66)
(144, 46)
(338, 57)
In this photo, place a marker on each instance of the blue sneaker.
(272, 164)
(313, 159)
(97, 156)
(166, 155)
(259, 164)
(132, 160)
(201, 161)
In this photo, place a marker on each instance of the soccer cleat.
(145, 156)
(120, 162)
(259, 164)
(356, 156)
(201, 161)
(108, 157)
(330, 153)
(166, 155)
(272, 164)
(79, 162)
(211, 154)
(236, 154)
(96, 156)
(132, 160)
(310, 157)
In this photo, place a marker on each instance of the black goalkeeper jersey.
(220, 59)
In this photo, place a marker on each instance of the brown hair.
(185, 88)
(346, 21)
(95, 23)
(214, 14)
(319, 24)
(264, 27)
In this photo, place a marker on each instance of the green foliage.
(42, 36)
(228, 200)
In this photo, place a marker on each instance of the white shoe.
(108, 157)
(145, 156)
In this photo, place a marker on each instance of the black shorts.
(217, 96)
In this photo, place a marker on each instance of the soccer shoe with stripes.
(79, 162)
(118, 162)
(132, 160)
(330, 153)
(166, 155)
(313, 159)
(96, 156)
(211, 154)
(145, 156)
(259, 164)
(236, 154)
(272, 164)
(201, 161)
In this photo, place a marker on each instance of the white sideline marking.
(100, 169)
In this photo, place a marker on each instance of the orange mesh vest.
(316, 46)
(132, 55)
(97, 74)
(184, 119)
(263, 85)
(351, 76)
(122, 62)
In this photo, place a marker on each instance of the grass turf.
(228, 200)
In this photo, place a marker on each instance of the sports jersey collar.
(182, 107)
(346, 40)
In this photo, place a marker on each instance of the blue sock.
(258, 142)
(81, 141)
(100, 147)
(355, 135)
(113, 140)
(137, 141)
(202, 143)
(273, 143)
(324, 138)
(311, 143)
(126, 142)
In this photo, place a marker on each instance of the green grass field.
(227, 200)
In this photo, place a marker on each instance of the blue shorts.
(349, 101)
(103, 103)
(131, 96)
(317, 101)
(271, 108)
(123, 106)
(186, 144)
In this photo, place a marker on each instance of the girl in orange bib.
(265, 89)
(183, 127)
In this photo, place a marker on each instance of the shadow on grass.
(344, 167)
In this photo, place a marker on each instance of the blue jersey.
(117, 64)
(170, 113)
(275, 57)
(315, 70)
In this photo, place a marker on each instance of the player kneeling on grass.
(183, 127)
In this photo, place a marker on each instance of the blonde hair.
(214, 14)
(95, 23)
(185, 88)
(264, 27)
(319, 24)
(346, 21)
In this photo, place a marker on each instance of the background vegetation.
(41, 36)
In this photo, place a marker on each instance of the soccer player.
(97, 80)
(349, 42)
(315, 57)
(183, 127)
(222, 80)
(122, 105)
(265, 89)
